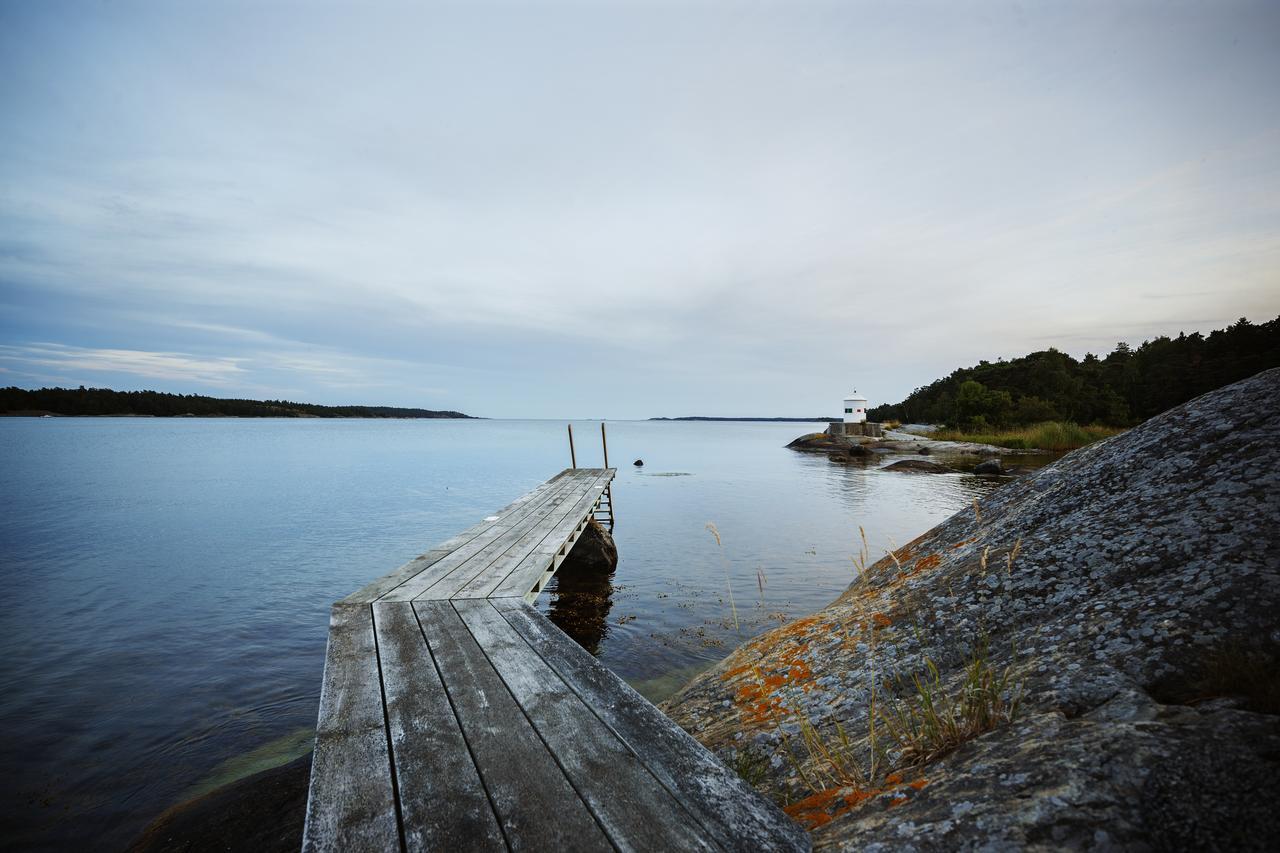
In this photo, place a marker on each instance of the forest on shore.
(90, 402)
(1127, 386)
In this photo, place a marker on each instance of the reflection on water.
(579, 602)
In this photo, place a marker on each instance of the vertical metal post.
(573, 459)
(604, 442)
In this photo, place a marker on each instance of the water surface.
(169, 580)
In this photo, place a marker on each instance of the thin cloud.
(153, 365)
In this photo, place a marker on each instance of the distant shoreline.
(104, 402)
(750, 420)
(283, 417)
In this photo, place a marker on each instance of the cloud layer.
(622, 210)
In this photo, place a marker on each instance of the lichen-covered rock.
(1131, 590)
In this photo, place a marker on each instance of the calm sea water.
(168, 581)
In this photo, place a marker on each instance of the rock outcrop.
(1130, 595)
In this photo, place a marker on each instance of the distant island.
(103, 402)
(754, 420)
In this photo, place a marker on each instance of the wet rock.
(924, 450)
(989, 466)
(1129, 590)
(918, 466)
(639, 463)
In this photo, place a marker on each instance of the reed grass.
(1050, 435)
(930, 721)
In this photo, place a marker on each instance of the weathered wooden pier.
(454, 716)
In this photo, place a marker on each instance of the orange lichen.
(926, 563)
(823, 807)
(881, 620)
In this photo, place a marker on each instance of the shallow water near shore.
(169, 580)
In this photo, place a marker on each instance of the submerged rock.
(1129, 592)
(261, 813)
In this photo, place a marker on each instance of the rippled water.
(168, 581)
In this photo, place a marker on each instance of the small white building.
(855, 408)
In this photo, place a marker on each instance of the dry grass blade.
(728, 583)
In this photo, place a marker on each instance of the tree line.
(84, 401)
(1127, 386)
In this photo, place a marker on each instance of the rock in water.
(819, 441)
(919, 466)
(1130, 590)
(988, 466)
(594, 551)
(639, 463)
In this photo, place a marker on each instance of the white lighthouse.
(855, 408)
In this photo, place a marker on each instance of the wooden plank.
(417, 585)
(481, 583)
(536, 806)
(530, 569)
(722, 802)
(351, 805)
(443, 803)
(391, 580)
(506, 550)
(637, 812)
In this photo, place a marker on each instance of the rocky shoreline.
(955, 456)
(1111, 617)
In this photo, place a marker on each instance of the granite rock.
(1131, 590)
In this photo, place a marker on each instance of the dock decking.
(454, 716)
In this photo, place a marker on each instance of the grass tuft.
(930, 722)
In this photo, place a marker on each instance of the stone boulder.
(1114, 615)
(595, 551)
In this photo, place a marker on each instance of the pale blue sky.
(622, 209)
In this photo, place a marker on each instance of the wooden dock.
(454, 716)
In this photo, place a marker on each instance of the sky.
(622, 210)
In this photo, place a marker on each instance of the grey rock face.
(1125, 587)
